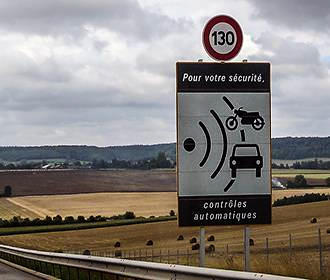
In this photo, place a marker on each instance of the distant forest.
(288, 148)
(291, 148)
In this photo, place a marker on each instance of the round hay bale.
(193, 240)
(210, 249)
(195, 247)
(314, 221)
(150, 243)
(87, 253)
(211, 238)
(180, 237)
(117, 244)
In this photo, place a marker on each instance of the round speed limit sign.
(222, 37)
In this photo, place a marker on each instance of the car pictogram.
(246, 156)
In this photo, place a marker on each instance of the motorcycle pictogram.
(247, 118)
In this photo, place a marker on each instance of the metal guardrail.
(80, 267)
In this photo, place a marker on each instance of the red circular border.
(206, 32)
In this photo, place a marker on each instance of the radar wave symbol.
(209, 144)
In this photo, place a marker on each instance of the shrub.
(328, 230)
(129, 215)
(251, 242)
(195, 247)
(69, 220)
(211, 238)
(48, 220)
(57, 219)
(180, 237)
(300, 181)
(91, 219)
(81, 219)
(172, 213)
(117, 244)
(150, 243)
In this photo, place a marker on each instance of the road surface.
(10, 273)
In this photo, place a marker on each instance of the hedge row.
(17, 221)
(66, 227)
(308, 197)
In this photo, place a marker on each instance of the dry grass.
(108, 204)
(9, 209)
(288, 219)
(294, 220)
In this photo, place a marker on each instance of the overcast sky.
(102, 72)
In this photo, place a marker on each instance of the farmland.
(107, 204)
(294, 220)
(48, 182)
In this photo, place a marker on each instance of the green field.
(308, 173)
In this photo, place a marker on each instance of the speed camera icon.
(243, 156)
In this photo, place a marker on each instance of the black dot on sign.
(189, 144)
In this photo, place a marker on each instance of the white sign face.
(230, 135)
(223, 142)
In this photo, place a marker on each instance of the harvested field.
(294, 220)
(105, 204)
(142, 204)
(9, 209)
(48, 182)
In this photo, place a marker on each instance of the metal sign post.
(202, 246)
(246, 249)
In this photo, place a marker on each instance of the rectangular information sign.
(223, 143)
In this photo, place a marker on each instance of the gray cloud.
(289, 57)
(295, 14)
(62, 17)
(301, 82)
(103, 72)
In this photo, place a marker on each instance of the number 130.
(221, 38)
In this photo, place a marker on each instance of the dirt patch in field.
(49, 182)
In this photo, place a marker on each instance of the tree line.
(161, 161)
(282, 148)
(310, 164)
